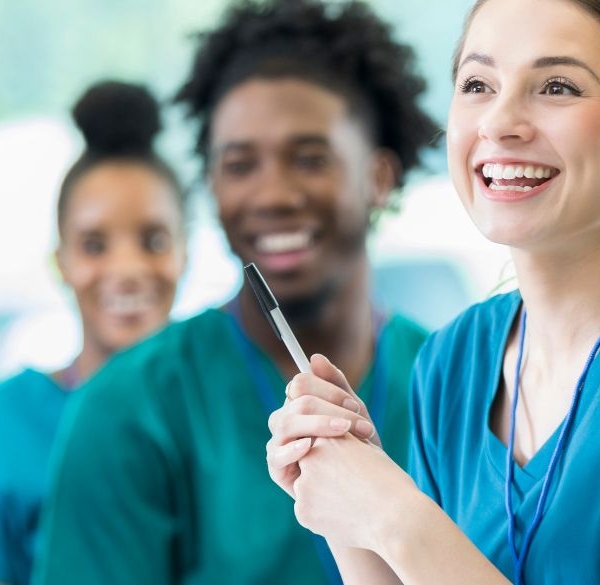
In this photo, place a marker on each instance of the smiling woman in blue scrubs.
(121, 251)
(506, 399)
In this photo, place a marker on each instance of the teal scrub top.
(161, 476)
(31, 405)
(460, 463)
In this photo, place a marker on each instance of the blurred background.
(428, 260)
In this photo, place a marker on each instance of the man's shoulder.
(402, 326)
(165, 353)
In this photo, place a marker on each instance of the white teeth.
(126, 304)
(509, 173)
(283, 242)
(495, 187)
(497, 171)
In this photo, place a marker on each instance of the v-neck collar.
(527, 476)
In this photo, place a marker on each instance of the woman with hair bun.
(121, 249)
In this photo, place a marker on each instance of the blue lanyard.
(519, 557)
(271, 401)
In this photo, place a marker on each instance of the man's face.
(292, 172)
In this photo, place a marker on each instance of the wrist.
(405, 528)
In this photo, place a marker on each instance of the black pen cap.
(260, 287)
(263, 293)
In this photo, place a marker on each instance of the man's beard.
(303, 311)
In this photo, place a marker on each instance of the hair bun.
(117, 118)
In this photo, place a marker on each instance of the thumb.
(324, 369)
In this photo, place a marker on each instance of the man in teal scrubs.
(308, 119)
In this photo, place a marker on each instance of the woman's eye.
(94, 246)
(560, 86)
(473, 85)
(157, 241)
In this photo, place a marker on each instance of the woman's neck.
(562, 298)
(562, 325)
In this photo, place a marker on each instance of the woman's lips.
(515, 181)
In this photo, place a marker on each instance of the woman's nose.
(129, 259)
(506, 119)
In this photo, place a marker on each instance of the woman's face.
(295, 179)
(122, 251)
(524, 126)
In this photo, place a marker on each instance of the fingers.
(323, 388)
(336, 390)
(281, 456)
(322, 367)
(311, 416)
(282, 462)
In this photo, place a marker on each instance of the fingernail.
(301, 444)
(350, 404)
(364, 428)
(339, 424)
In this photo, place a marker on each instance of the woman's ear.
(58, 261)
(385, 173)
(185, 259)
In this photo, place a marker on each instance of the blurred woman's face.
(122, 251)
(524, 126)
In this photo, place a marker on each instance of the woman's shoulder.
(478, 329)
(25, 383)
(483, 317)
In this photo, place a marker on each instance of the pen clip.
(266, 300)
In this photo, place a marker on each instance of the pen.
(270, 308)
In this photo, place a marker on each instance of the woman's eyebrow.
(564, 60)
(478, 58)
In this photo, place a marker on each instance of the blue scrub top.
(460, 463)
(31, 405)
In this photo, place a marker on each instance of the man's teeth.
(497, 171)
(284, 242)
(126, 304)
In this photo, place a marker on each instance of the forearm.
(430, 548)
(358, 566)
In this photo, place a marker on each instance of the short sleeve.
(424, 411)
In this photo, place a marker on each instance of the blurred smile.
(284, 250)
(128, 305)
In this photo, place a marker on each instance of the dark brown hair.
(592, 6)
